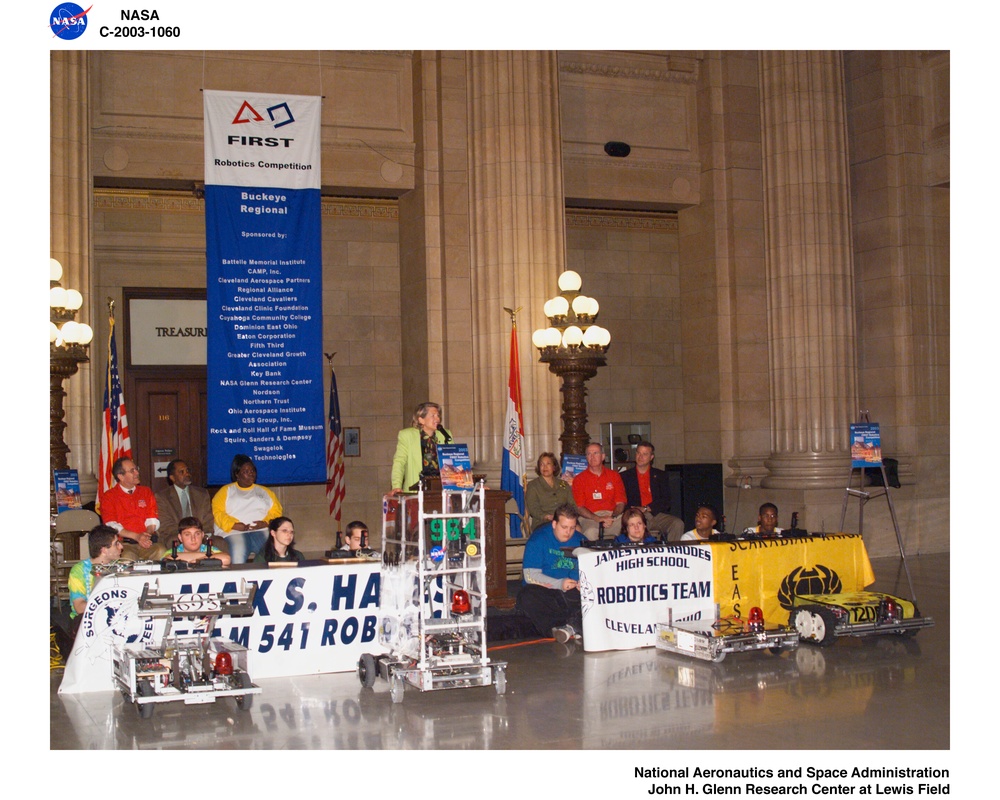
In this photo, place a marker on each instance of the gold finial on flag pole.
(513, 314)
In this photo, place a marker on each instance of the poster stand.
(864, 430)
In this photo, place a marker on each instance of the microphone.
(444, 433)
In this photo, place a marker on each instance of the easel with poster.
(866, 454)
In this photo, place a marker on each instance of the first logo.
(68, 21)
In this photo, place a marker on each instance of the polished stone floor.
(885, 693)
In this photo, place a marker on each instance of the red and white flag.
(512, 464)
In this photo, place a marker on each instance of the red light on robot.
(755, 620)
(223, 664)
(460, 602)
(891, 611)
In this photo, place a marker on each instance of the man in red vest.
(130, 509)
(599, 495)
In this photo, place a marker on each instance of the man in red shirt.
(130, 509)
(599, 495)
(647, 488)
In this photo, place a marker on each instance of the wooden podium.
(496, 538)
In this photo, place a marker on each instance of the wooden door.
(168, 419)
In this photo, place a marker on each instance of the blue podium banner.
(264, 286)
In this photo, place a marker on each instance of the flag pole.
(513, 468)
(335, 478)
(115, 440)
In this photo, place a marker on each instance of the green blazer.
(408, 461)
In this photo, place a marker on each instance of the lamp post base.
(575, 366)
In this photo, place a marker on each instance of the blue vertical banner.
(264, 286)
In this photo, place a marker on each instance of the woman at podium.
(416, 447)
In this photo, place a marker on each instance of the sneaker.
(563, 633)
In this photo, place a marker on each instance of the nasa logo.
(68, 21)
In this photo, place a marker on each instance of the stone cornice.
(186, 203)
(678, 70)
(590, 160)
(621, 219)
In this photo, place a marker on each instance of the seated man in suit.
(182, 498)
(647, 487)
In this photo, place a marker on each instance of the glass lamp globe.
(57, 297)
(572, 336)
(570, 281)
(70, 332)
(553, 338)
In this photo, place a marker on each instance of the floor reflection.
(882, 692)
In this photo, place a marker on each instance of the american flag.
(115, 442)
(335, 486)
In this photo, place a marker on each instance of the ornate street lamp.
(573, 347)
(68, 345)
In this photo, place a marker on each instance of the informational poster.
(67, 483)
(573, 465)
(264, 292)
(455, 466)
(866, 445)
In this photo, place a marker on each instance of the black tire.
(145, 689)
(500, 680)
(396, 687)
(829, 627)
(244, 702)
(367, 671)
(815, 624)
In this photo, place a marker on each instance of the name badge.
(598, 495)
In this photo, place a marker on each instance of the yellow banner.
(769, 572)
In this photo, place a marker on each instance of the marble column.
(517, 212)
(70, 243)
(810, 269)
